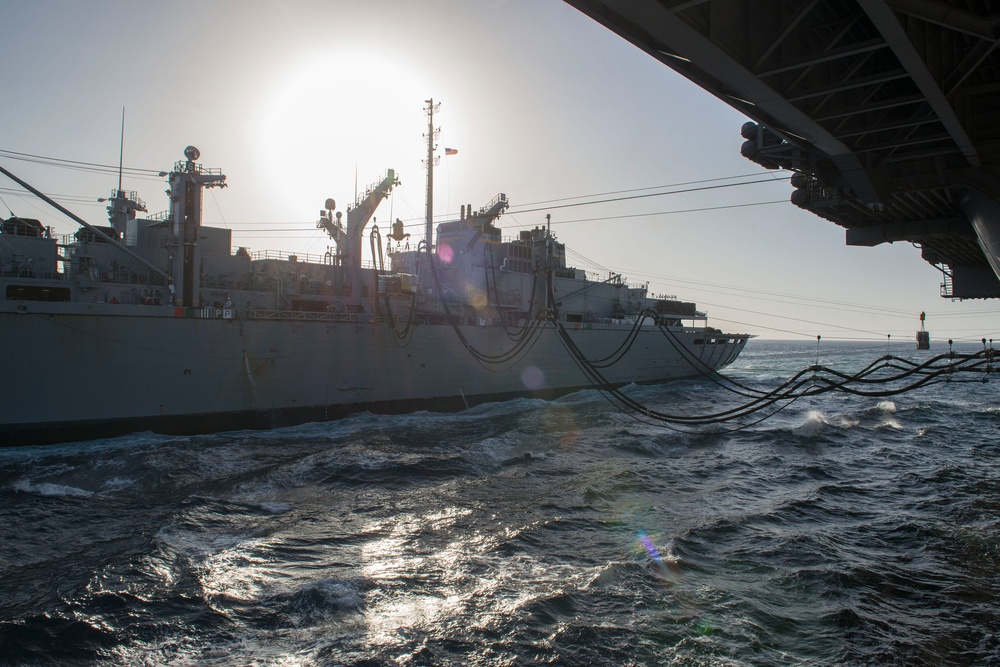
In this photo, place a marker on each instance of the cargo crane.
(349, 241)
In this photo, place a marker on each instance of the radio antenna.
(121, 151)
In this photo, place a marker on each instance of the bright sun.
(337, 116)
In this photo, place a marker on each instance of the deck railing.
(300, 315)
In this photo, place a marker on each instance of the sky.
(300, 100)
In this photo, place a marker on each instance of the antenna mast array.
(431, 137)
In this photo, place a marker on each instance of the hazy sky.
(297, 101)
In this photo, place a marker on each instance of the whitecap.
(710, 429)
(198, 544)
(117, 484)
(812, 426)
(49, 489)
(649, 446)
(611, 574)
(843, 421)
(891, 423)
(493, 449)
(277, 507)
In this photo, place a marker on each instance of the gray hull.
(98, 370)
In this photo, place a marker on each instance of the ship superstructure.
(158, 323)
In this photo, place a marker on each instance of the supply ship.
(156, 324)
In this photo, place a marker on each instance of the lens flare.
(668, 568)
(479, 300)
(651, 549)
(533, 378)
(571, 437)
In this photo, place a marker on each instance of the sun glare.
(336, 117)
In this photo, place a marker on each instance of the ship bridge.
(887, 110)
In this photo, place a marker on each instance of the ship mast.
(121, 212)
(431, 136)
(121, 151)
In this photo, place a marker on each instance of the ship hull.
(103, 370)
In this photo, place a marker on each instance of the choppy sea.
(843, 531)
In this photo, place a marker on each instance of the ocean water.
(844, 530)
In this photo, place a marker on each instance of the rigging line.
(77, 199)
(219, 208)
(695, 427)
(401, 338)
(593, 374)
(928, 379)
(796, 386)
(93, 170)
(971, 313)
(861, 310)
(675, 212)
(511, 357)
(743, 427)
(23, 156)
(645, 196)
(861, 376)
(760, 402)
(600, 382)
(730, 288)
(253, 232)
(733, 288)
(642, 215)
(626, 344)
(929, 369)
(417, 221)
(761, 326)
(796, 333)
(837, 326)
(28, 200)
(851, 307)
(857, 308)
(808, 302)
(703, 368)
(652, 187)
(491, 271)
(802, 384)
(812, 336)
(881, 335)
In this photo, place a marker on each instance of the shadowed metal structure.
(887, 110)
